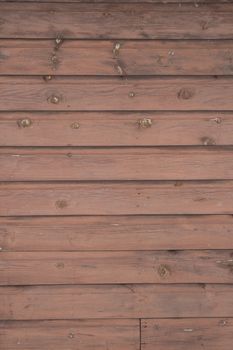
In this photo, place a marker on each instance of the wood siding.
(116, 175)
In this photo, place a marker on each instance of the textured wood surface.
(96, 94)
(118, 21)
(180, 334)
(116, 301)
(116, 164)
(84, 334)
(116, 175)
(116, 233)
(101, 57)
(116, 198)
(116, 129)
(116, 267)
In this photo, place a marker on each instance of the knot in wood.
(185, 94)
(47, 77)
(208, 141)
(54, 99)
(55, 61)
(71, 335)
(61, 204)
(60, 265)
(116, 49)
(75, 125)
(58, 42)
(164, 271)
(24, 123)
(145, 123)
(131, 94)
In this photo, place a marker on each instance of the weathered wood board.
(116, 175)
(116, 128)
(111, 233)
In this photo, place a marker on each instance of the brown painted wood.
(108, 198)
(72, 335)
(116, 233)
(116, 129)
(125, 21)
(208, 163)
(111, 301)
(194, 334)
(27, 268)
(133, 58)
(33, 93)
(197, 2)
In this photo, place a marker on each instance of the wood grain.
(180, 334)
(116, 21)
(108, 198)
(27, 57)
(95, 94)
(116, 164)
(213, 266)
(116, 233)
(111, 301)
(197, 2)
(116, 129)
(83, 334)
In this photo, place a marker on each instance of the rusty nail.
(75, 125)
(24, 123)
(54, 99)
(145, 123)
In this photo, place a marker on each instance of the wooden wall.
(116, 175)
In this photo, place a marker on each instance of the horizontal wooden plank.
(33, 93)
(116, 164)
(27, 268)
(116, 301)
(115, 129)
(116, 233)
(108, 198)
(134, 21)
(194, 334)
(197, 2)
(72, 335)
(102, 58)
